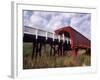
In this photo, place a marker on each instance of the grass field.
(47, 61)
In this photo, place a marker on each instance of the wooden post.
(71, 42)
(75, 52)
(67, 40)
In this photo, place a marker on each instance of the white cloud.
(51, 21)
(60, 20)
(37, 21)
(82, 24)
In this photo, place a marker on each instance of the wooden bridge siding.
(79, 40)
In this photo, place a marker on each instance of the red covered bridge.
(77, 40)
(61, 40)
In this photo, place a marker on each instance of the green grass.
(47, 61)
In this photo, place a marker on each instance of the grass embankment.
(47, 61)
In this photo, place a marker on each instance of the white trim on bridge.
(46, 34)
(39, 32)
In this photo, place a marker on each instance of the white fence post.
(63, 37)
(36, 33)
(53, 36)
(59, 38)
(46, 35)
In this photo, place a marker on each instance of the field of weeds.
(47, 61)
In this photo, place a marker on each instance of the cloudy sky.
(51, 21)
